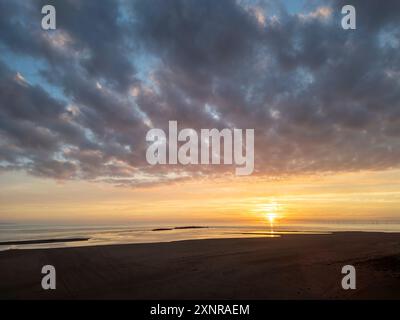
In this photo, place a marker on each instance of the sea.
(34, 236)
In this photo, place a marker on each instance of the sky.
(76, 104)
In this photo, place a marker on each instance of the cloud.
(321, 99)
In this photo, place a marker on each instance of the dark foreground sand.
(290, 267)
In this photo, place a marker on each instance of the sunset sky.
(76, 104)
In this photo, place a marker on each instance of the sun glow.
(270, 211)
(271, 217)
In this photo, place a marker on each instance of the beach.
(303, 266)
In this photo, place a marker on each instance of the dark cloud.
(321, 99)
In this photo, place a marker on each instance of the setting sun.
(270, 211)
(271, 217)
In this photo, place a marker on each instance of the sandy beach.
(288, 267)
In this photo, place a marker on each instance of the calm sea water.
(117, 234)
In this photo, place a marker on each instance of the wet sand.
(288, 267)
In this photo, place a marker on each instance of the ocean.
(56, 236)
